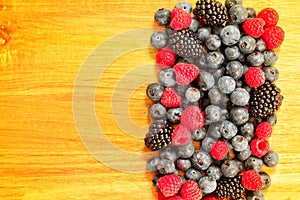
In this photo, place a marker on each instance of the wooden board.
(41, 153)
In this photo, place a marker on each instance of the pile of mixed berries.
(214, 104)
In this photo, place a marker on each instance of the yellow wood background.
(41, 154)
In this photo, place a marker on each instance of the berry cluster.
(214, 106)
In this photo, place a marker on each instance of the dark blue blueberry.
(162, 16)
(159, 40)
(155, 91)
(157, 111)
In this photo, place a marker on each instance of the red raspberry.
(170, 98)
(185, 73)
(219, 150)
(212, 197)
(259, 147)
(169, 185)
(181, 135)
(273, 36)
(180, 19)
(192, 118)
(264, 130)
(254, 27)
(270, 16)
(251, 180)
(162, 197)
(191, 191)
(254, 77)
(165, 58)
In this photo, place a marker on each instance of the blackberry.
(265, 100)
(159, 135)
(185, 43)
(210, 12)
(230, 188)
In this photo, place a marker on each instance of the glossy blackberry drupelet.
(210, 12)
(159, 135)
(185, 43)
(230, 188)
(265, 100)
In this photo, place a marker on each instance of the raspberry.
(264, 130)
(185, 73)
(270, 16)
(181, 136)
(170, 98)
(162, 197)
(251, 180)
(180, 19)
(219, 150)
(273, 36)
(259, 147)
(169, 185)
(192, 118)
(165, 58)
(212, 197)
(191, 191)
(254, 27)
(254, 77)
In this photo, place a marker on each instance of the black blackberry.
(210, 12)
(185, 43)
(159, 135)
(265, 100)
(230, 188)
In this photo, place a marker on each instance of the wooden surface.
(41, 154)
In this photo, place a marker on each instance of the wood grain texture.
(41, 154)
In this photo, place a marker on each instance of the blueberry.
(247, 130)
(162, 16)
(240, 165)
(167, 77)
(186, 6)
(247, 44)
(239, 143)
(242, 58)
(207, 143)
(214, 172)
(194, 25)
(169, 153)
(244, 155)
(266, 179)
(255, 195)
(217, 97)
(199, 134)
(203, 33)
(186, 103)
(206, 81)
(235, 69)
(228, 129)
(272, 119)
(271, 74)
(157, 111)
(181, 89)
(215, 59)
(226, 84)
(251, 12)
(159, 40)
(213, 113)
(201, 160)
(152, 164)
(214, 131)
(192, 94)
(230, 168)
(270, 57)
(166, 166)
(232, 53)
(185, 151)
(255, 58)
(207, 184)
(173, 115)
(238, 14)
(260, 45)
(230, 35)
(183, 164)
(239, 115)
(217, 73)
(155, 91)
(240, 97)
(254, 163)
(193, 174)
(213, 42)
(271, 159)
(230, 3)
